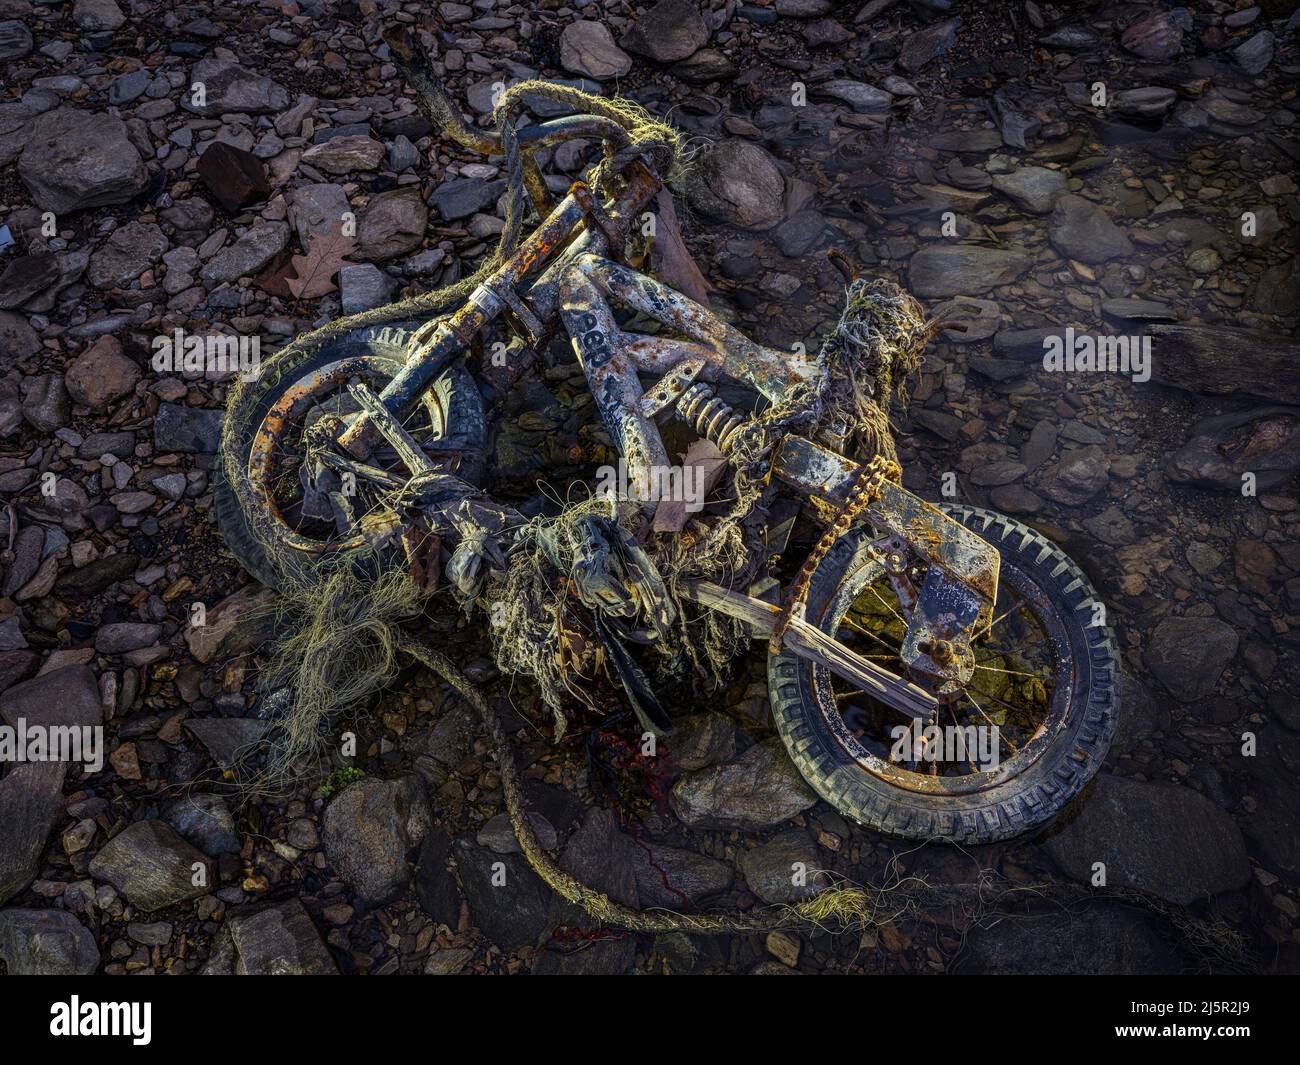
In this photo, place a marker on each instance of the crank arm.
(808, 641)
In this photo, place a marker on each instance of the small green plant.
(340, 779)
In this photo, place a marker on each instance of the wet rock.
(760, 789)
(391, 224)
(1264, 442)
(685, 872)
(205, 821)
(1083, 230)
(738, 182)
(368, 830)
(15, 40)
(279, 941)
(128, 253)
(1165, 839)
(588, 48)
(1187, 655)
(1078, 476)
(362, 287)
(507, 901)
(1278, 290)
(92, 15)
(669, 31)
(46, 943)
(700, 740)
(1101, 938)
(79, 159)
(227, 738)
(1256, 54)
(228, 87)
(101, 374)
(152, 866)
(783, 870)
(462, 197)
(191, 429)
(235, 177)
(1157, 35)
(31, 803)
(963, 269)
(1034, 188)
(256, 247)
(345, 155)
(863, 98)
(1147, 102)
(924, 46)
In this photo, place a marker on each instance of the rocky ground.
(1115, 167)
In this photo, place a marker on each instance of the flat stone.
(279, 941)
(1188, 655)
(79, 159)
(863, 98)
(1165, 839)
(205, 821)
(46, 943)
(588, 48)
(226, 738)
(690, 876)
(1077, 476)
(1034, 188)
(785, 869)
(317, 210)
(189, 429)
(1083, 230)
(345, 155)
(760, 789)
(963, 269)
(123, 636)
(1256, 54)
(363, 287)
(229, 88)
(922, 47)
(128, 252)
(152, 866)
(391, 224)
(507, 901)
(15, 40)
(31, 803)
(461, 197)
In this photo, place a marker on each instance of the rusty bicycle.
(934, 671)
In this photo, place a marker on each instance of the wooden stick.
(810, 642)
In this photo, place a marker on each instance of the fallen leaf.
(315, 270)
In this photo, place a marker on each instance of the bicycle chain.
(864, 491)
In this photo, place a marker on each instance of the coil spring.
(713, 418)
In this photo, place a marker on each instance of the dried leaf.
(315, 270)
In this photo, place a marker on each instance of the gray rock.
(700, 740)
(785, 869)
(153, 866)
(963, 269)
(1165, 839)
(46, 943)
(669, 31)
(279, 941)
(92, 15)
(507, 901)
(15, 40)
(1083, 230)
(1278, 289)
(1077, 476)
(316, 210)
(799, 233)
(1157, 35)
(101, 374)
(498, 834)
(1187, 655)
(391, 224)
(228, 87)
(128, 252)
(1147, 102)
(26, 276)
(189, 429)
(863, 98)
(1100, 939)
(205, 821)
(129, 87)
(740, 183)
(346, 154)
(924, 46)
(150, 933)
(760, 789)
(462, 197)
(1256, 54)
(79, 159)
(227, 739)
(368, 830)
(1034, 188)
(689, 874)
(123, 636)
(402, 155)
(31, 803)
(588, 48)
(256, 247)
(362, 287)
